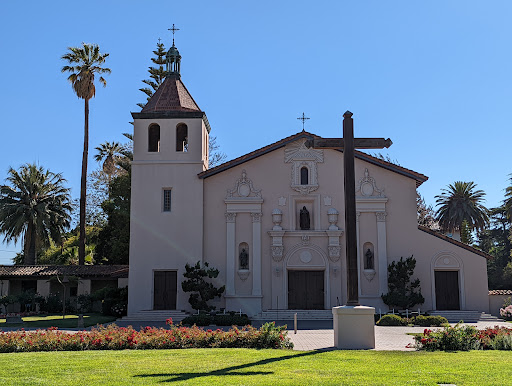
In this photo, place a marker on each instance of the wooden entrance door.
(306, 290)
(165, 290)
(447, 290)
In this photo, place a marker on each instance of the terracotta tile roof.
(420, 178)
(500, 292)
(36, 271)
(455, 242)
(172, 95)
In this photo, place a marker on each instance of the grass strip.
(256, 367)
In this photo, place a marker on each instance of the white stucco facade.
(255, 202)
(244, 218)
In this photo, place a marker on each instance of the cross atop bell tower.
(173, 58)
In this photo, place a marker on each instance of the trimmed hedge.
(392, 320)
(217, 320)
(429, 321)
(421, 320)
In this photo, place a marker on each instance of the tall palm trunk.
(30, 245)
(83, 187)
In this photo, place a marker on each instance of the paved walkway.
(386, 338)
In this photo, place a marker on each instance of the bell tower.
(170, 148)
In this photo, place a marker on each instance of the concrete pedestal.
(354, 327)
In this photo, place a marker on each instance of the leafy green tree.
(66, 253)
(495, 240)
(113, 244)
(83, 64)
(426, 214)
(156, 74)
(202, 291)
(508, 200)
(35, 206)
(461, 201)
(403, 293)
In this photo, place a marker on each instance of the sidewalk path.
(386, 338)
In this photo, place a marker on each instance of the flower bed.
(120, 338)
(465, 338)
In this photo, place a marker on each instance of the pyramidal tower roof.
(172, 95)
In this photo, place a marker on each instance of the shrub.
(403, 293)
(115, 338)
(84, 303)
(202, 291)
(506, 312)
(392, 320)
(114, 301)
(430, 321)
(51, 304)
(230, 319)
(458, 338)
(199, 320)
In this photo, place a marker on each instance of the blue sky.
(435, 77)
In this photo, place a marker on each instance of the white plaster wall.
(403, 237)
(165, 240)
(169, 240)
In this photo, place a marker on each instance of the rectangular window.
(167, 200)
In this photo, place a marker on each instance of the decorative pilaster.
(334, 247)
(276, 247)
(230, 253)
(256, 261)
(358, 214)
(382, 254)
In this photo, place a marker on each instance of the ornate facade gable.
(367, 187)
(297, 151)
(243, 188)
(301, 157)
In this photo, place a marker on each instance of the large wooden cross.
(348, 143)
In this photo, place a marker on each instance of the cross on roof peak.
(173, 29)
(303, 119)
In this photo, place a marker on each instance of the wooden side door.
(165, 290)
(447, 290)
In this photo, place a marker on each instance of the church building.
(272, 221)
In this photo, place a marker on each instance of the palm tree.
(461, 202)
(84, 63)
(110, 153)
(35, 206)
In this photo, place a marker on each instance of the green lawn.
(71, 321)
(255, 367)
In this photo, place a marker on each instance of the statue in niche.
(368, 259)
(244, 259)
(304, 219)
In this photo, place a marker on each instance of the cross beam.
(339, 143)
(348, 143)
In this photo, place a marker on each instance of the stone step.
(289, 315)
(156, 316)
(467, 316)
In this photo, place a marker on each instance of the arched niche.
(368, 256)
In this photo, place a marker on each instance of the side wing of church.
(272, 221)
